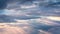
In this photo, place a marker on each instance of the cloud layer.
(14, 10)
(29, 16)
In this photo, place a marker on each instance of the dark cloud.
(3, 4)
(33, 11)
(26, 17)
(5, 18)
(55, 30)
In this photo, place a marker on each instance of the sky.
(30, 16)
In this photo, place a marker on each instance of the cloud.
(19, 29)
(43, 32)
(7, 29)
(54, 18)
(28, 16)
(5, 18)
(28, 9)
(54, 31)
(45, 21)
(3, 4)
(33, 26)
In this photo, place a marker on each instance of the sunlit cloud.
(45, 21)
(22, 21)
(6, 29)
(54, 18)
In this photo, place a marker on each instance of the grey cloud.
(4, 3)
(25, 17)
(33, 27)
(5, 18)
(34, 12)
(54, 30)
(45, 11)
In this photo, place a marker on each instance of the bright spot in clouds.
(6, 29)
(54, 18)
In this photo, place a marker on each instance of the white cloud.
(54, 18)
(28, 6)
(46, 21)
(13, 12)
(22, 21)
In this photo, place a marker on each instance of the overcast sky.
(30, 16)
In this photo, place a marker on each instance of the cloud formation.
(29, 16)
(3, 4)
(27, 9)
(6, 29)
